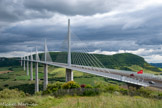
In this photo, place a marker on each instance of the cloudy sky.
(103, 26)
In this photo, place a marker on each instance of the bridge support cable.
(80, 58)
(95, 62)
(99, 64)
(86, 53)
(94, 59)
(84, 56)
(62, 55)
(85, 59)
(46, 55)
(89, 59)
(37, 55)
(74, 60)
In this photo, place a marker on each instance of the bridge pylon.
(45, 67)
(69, 72)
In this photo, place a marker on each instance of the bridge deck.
(109, 73)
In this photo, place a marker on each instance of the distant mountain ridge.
(156, 64)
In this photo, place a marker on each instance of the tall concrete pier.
(69, 75)
(31, 67)
(27, 66)
(24, 63)
(45, 76)
(36, 78)
(36, 73)
(21, 61)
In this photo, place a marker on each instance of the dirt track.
(2, 72)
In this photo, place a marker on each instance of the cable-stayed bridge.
(80, 60)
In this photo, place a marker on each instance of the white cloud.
(154, 58)
(124, 16)
(148, 54)
(13, 54)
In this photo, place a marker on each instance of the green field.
(19, 79)
(105, 100)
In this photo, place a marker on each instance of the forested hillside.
(117, 61)
(5, 62)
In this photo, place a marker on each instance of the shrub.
(91, 92)
(132, 91)
(112, 88)
(29, 102)
(107, 87)
(88, 86)
(38, 93)
(82, 86)
(144, 92)
(51, 88)
(14, 93)
(124, 91)
(70, 85)
(100, 86)
(6, 85)
(160, 95)
(10, 69)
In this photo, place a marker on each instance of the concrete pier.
(21, 61)
(69, 75)
(24, 65)
(36, 78)
(31, 71)
(27, 68)
(45, 76)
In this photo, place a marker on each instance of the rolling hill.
(122, 61)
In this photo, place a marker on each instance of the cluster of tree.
(73, 88)
(6, 62)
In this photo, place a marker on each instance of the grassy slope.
(105, 100)
(137, 68)
(122, 61)
(19, 79)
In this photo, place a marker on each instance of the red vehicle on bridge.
(132, 75)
